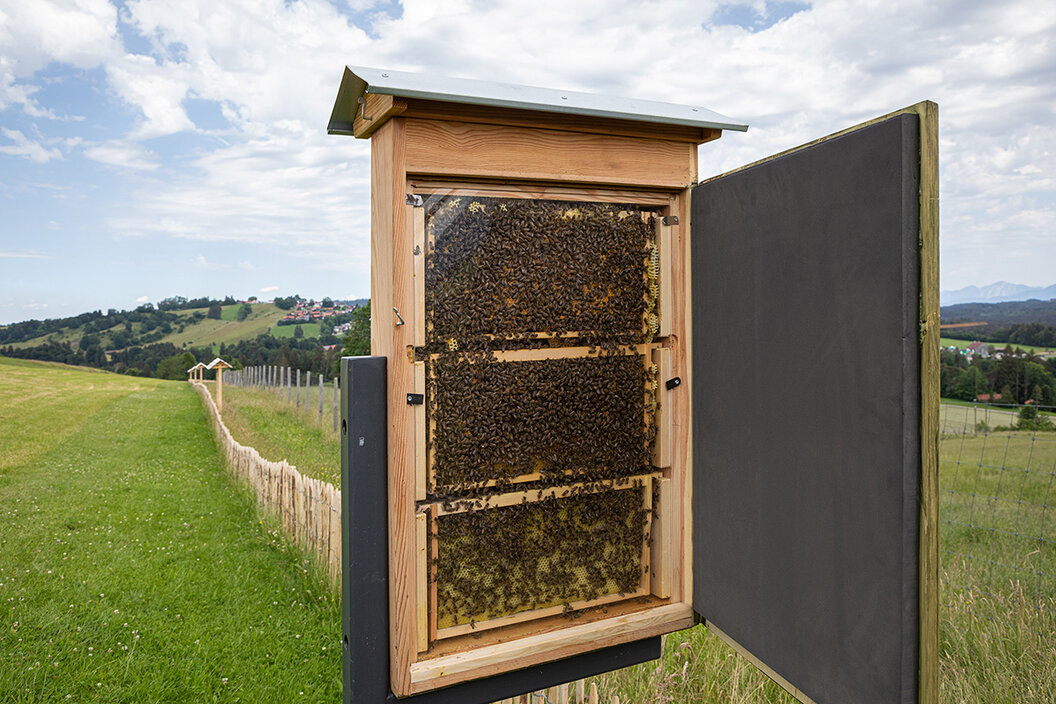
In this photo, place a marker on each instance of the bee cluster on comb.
(570, 288)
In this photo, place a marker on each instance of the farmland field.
(132, 569)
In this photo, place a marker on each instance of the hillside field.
(208, 332)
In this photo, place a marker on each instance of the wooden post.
(289, 383)
(308, 389)
(335, 404)
(321, 398)
(220, 389)
(298, 388)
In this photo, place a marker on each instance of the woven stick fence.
(308, 509)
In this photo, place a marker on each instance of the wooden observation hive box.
(532, 296)
(528, 288)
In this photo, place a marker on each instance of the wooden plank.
(662, 445)
(420, 430)
(544, 647)
(453, 149)
(681, 469)
(538, 191)
(533, 495)
(662, 544)
(759, 664)
(524, 616)
(434, 549)
(491, 115)
(534, 355)
(378, 108)
(391, 287)
(418, 218)
(421, 523)
(667, 281)
(929, 411)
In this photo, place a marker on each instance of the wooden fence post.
(298, 388)
(308, 389)
(289, 383)
(335, 404)
(320, 398)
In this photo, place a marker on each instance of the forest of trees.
(1018, 376)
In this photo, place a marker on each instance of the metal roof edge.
(359, 80)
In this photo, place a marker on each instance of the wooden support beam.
(421, 524)
(418, 220)
(665, 304)
(662, 539)
(458, 149)
(420, 430)
(533, 495)
(662, 444)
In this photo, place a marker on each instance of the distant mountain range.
(997, 292)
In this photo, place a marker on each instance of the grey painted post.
(320, 398)
(298, 388)
(336, 412)
(308, 390)
(289, 383)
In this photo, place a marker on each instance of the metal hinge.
(415, 200)
(670, 220)
(672, 383)
(415, 399)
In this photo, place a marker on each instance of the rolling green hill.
(189, 329)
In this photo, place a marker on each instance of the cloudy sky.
(151, 148)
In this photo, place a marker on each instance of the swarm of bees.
(566, 419)
(505, 273)
(506, 267)
(535, 555)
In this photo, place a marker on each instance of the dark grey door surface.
(806, 412)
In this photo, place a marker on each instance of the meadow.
(133, 569)
(145, 574)
(998, 550)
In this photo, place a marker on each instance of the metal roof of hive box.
(357, 82)
(218, 364)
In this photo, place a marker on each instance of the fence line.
(998, 504)
(284, 382)
(308, 509)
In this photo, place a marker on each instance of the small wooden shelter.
(195, 372)
(219, 365)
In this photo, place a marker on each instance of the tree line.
(1019, 377)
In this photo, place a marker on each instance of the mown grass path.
(133, 570)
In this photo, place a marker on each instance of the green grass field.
(145, 544)
(997, 643)
(309, 329)
(227, 329)
(132, 569)
(281, 430)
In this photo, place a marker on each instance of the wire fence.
(998, 490)
(312, 393)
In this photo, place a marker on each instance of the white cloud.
(142, 299)
(269, 289)
(35, 306)
(25, 147)
(200, 262)
(80, 33)
(22, 255)
(123, 155)
(273, 177)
